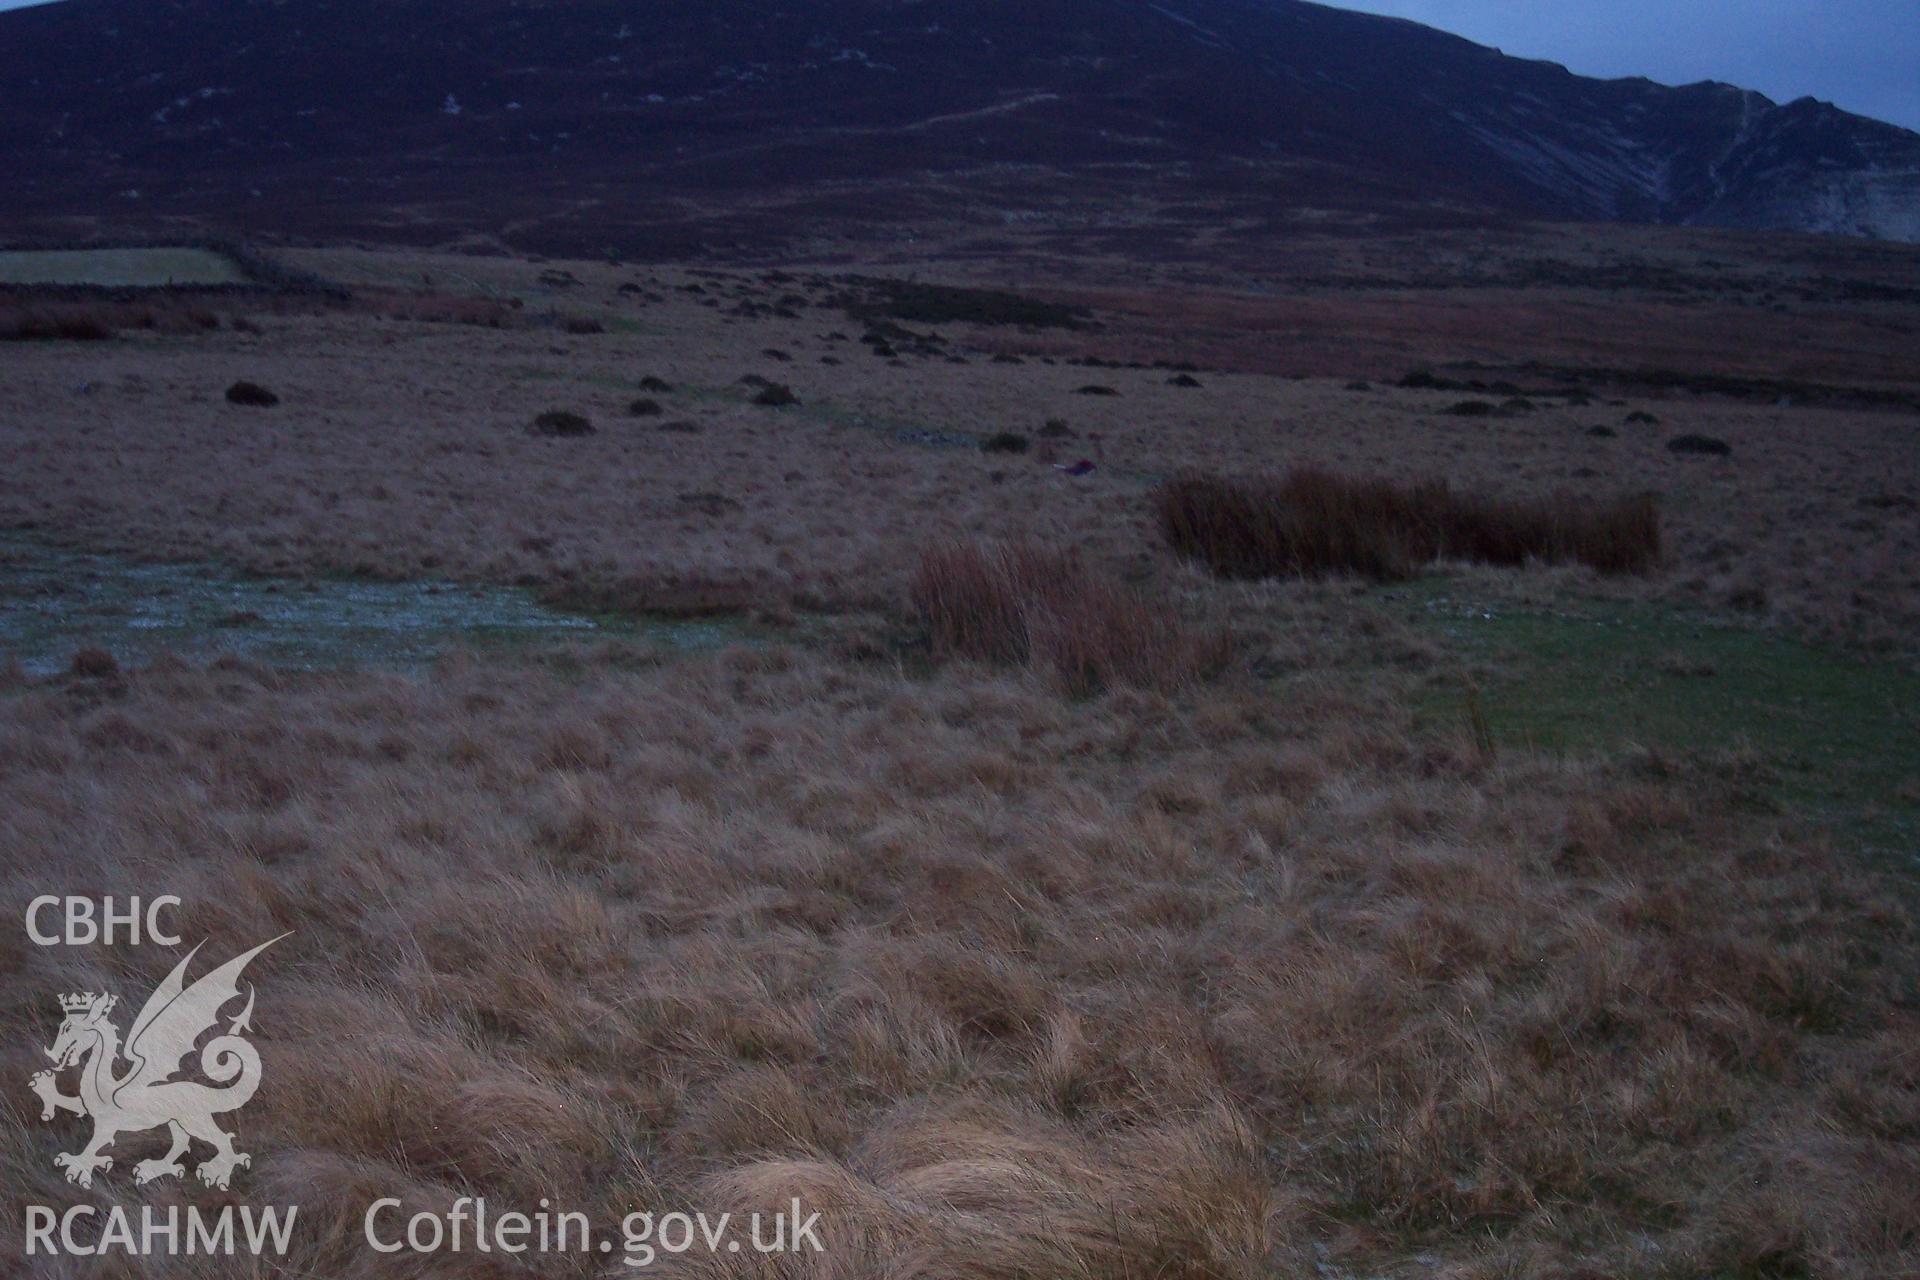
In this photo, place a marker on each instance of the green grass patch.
(145, 268)
(1822, 732)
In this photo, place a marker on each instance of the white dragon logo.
(145, 1096)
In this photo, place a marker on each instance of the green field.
(118, 268)
(1799, 726)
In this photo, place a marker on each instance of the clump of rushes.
(1022, 605)
(1309, 523)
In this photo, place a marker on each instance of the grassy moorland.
(1018, 893)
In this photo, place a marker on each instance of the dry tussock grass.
(417, 466)
(1005, 985)
(1025, 605)
(1310, 522)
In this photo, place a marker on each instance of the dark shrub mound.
(775, 353)
(834, 361)
(1426, 380)
(94, 664)
(1004, 442)
(680, 427)
(1183, 380)
(251, 394)
(1517, 404)
(1602, 432)
(561, 423)
(644, 408)
(1358, 385)
(55, 324)
(1311, 522)
(884, 350)
(920, 303)
(1640, 418)
(755, 380)
(1095, 389)
(1004, 358)
(581, 325)
(657, 385)
(775, 396)
(1709, 446)
(1056, 429)
(1472, 409)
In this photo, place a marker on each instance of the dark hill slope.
(591, 123)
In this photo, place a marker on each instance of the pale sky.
(1862, 54)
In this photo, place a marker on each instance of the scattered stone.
(251, 394)
(709, 504)
(559, 423)
(1708, 446)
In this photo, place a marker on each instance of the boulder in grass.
(251, 394)
(644, 408)
(1094, 389)
(1183, 380)
(656, 385)
(776, 396)
(94, 664)
(1702, 446)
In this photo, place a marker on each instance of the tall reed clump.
(1022, 605)
(1310, 522)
